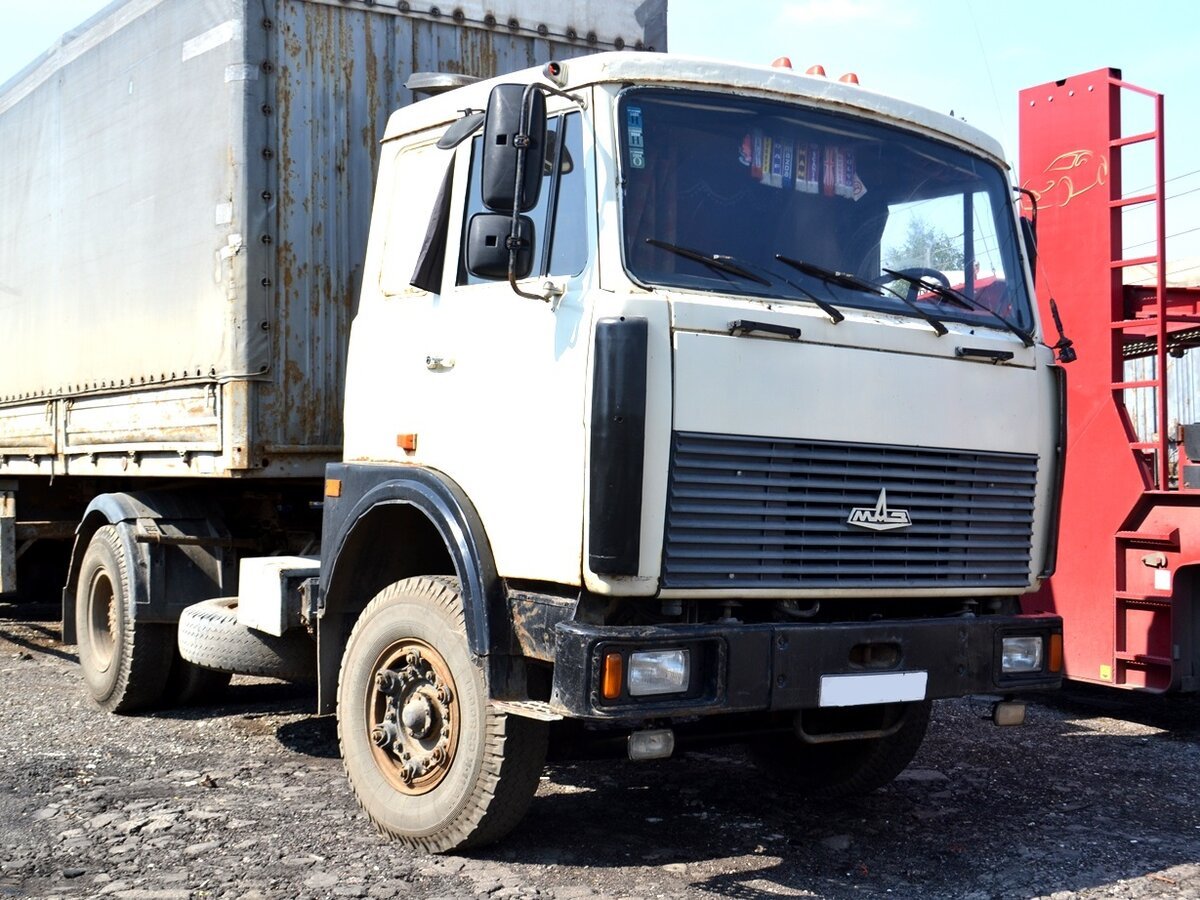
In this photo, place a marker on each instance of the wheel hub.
(413, 716)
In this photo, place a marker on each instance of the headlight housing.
(654, 672)
(1021, 655)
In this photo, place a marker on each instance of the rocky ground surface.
(1097, 796)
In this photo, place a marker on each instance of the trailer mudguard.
(383, 523)
(164, 577)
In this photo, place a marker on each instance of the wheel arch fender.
(153, 567)
(107, 509)
(433, 528)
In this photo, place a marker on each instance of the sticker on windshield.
(637, 146)
(841, 174)
(808, 165)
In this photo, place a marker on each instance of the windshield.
(758, 197)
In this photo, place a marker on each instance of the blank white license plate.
(878, 687)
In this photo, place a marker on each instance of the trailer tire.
(830, 771)
(124, 662)
(193, 685)
(430, 760)
(211, 637)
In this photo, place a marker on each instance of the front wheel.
(827, 771)
(432, 763)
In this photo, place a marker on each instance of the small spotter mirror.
(460, 130)
(488, 237)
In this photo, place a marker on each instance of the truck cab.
(732, 416)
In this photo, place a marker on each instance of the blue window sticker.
(633, 127)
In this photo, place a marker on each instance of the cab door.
(510, 371)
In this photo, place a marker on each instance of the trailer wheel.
(829, 771)
(211, 637)
(124, 663)
(432, 763)
(193, 685)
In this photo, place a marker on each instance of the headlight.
(1019, 655)
(658, 672)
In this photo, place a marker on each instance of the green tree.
(926, 246)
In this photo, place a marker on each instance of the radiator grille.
(748, 512)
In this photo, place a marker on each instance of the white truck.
(684, 401)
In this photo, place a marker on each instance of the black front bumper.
(742, 668)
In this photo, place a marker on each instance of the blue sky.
(969, 56)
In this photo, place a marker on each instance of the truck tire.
(125, 664)
(844, 768)
(430, 760)
(211, 637)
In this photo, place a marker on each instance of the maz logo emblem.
(879, 517)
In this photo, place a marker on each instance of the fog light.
(1008, 713)
(1020, 655)
(658, 672)
(658, 743)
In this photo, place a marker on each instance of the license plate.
(878, 687)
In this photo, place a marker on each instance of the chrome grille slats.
(763, 513)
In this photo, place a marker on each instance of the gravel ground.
(1097, 796)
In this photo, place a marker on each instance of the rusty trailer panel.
(184, 213)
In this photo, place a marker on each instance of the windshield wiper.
(962, 300)
(845, 279)
(714, 261)
(830, 276)
(723, 262)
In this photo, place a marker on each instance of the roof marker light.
(782, 62)
(556, 73)
(815, 70)
(849, 78)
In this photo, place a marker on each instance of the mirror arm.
(522, 144)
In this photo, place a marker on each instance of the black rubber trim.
(617, 445)
(983, 353)
(1060, 468)
(445, 504)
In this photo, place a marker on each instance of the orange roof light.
(782, 62)
(815, 70)
(849, 78)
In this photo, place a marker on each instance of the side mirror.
(1029, 237)
(506, 122)
(488, 246)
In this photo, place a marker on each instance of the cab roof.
(639, 68)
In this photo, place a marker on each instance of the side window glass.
(569, 236)
(561, 249)
(419, 171)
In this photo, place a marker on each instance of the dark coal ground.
(1097, 796)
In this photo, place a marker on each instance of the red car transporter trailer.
(1129, 548)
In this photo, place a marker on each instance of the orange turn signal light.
(1054, 653)
(612, 675)
(407, 442)
(333, 487)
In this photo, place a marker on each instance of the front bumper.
(743, 668)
